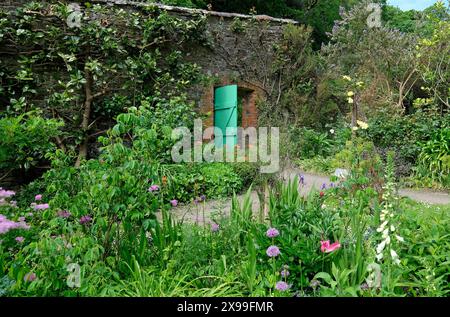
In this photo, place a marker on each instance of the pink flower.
(282, 286)
(174, 202)
(85, 219)
(29, 277)
(334, 246)
(6, 193)
(153, 188)
(20, 239)
(6, 225)
(272, 233)
(324, 245)
(64, 214)
(38, 197)
(327, 247)
(41, 207)
(215, 227)
(272, 251)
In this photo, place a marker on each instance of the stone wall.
(241, 51)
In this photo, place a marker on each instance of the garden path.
(214, 209)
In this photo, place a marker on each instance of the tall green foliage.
(26, 139)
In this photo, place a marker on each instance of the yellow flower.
(362, 124)
(355, 128)
(347, 78)
(359, 83)
(350, 93)
(350, 100)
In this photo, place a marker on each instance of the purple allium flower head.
(202, 198)
(29, 277)
(41, 207)
(6, 193)
(38, 197)
(285, 273)
(174, 202)
(282, 286)
(85, 219)
(153, 188)
(332, 185)
(214, 227)
(64, 214)
(7, 225)
(272, 233)
(324, 186)
(20, 239)
(273, 251)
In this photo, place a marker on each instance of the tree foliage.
(320, 14)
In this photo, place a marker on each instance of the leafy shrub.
(220, 180)
(318, 164)
(362, 160)
(122, 189)
(434, 158)
(308, 143)
(248, 173)
(426, 254)
(36, 255)
(150, 126)
(214, 180)
(26, 139)
(404, 134)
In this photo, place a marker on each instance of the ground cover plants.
(354, 237)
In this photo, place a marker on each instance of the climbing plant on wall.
(86, 64)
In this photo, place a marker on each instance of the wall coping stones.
(191, 11)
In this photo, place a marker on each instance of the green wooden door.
(225, 114)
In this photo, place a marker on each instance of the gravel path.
(214, 209)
